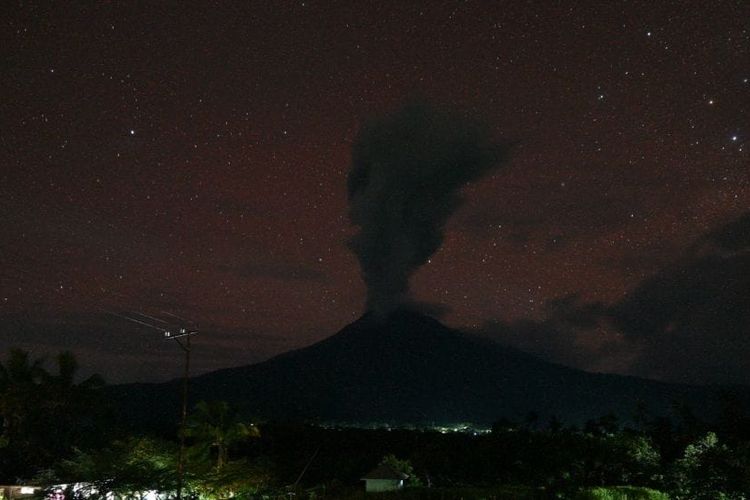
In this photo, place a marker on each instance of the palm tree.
(62, 388)
(215, 427)
(20, 413)
(76, 409)
(45, 414)
(20, 378)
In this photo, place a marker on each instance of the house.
(18, 491)
(384, 478)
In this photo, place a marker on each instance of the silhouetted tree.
(77, 411)
(44, 415)
(402, 466)
(214, 427)
(124, 468)
(710, 469)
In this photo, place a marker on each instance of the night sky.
(191, 158)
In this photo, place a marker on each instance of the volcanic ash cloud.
(407, 172)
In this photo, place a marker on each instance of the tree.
(709, 469)
(125, 468)
(77, 411)
(19, 380)
(21, 413)
(214, 427)
(44, 415)
(402, 466)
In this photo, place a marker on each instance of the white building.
(18, 491)
(384, 478)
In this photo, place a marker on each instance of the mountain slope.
(410, 368)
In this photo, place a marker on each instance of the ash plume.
(407, 172)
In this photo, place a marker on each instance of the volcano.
(409, 368)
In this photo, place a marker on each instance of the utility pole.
(182, 332)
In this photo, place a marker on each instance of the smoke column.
(407, 172)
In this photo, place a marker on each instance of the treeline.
(56, 429)
(682, 457)
(45, 413)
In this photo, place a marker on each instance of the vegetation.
(43, 413)
(404, 467)
(447, 493)
(621, 493)
(214, 428)
(57, 429)
(126, 467)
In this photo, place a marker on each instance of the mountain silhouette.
(408, 368)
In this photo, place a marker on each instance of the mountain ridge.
(408, 368)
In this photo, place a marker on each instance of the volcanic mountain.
(409, 368)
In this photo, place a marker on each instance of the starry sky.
(191, 159)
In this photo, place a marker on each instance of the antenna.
(134, 320)
(180, 332)
(150, 317)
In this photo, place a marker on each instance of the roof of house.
(384, 471)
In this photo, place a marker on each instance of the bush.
(710, 470)
(467, 492)
(621, 493)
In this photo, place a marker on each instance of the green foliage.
(621, 493)
(49, 417)
(236, 479)
(710, 469)
(214, 427)
(459, 492)
(132, 466)
(404, 467)
(127, 467)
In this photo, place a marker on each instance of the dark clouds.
(228, 200)
(405, 182)
(733, 237)
(571, 333)
(692, 320)
(689, 322)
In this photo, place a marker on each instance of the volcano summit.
(408, 368)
